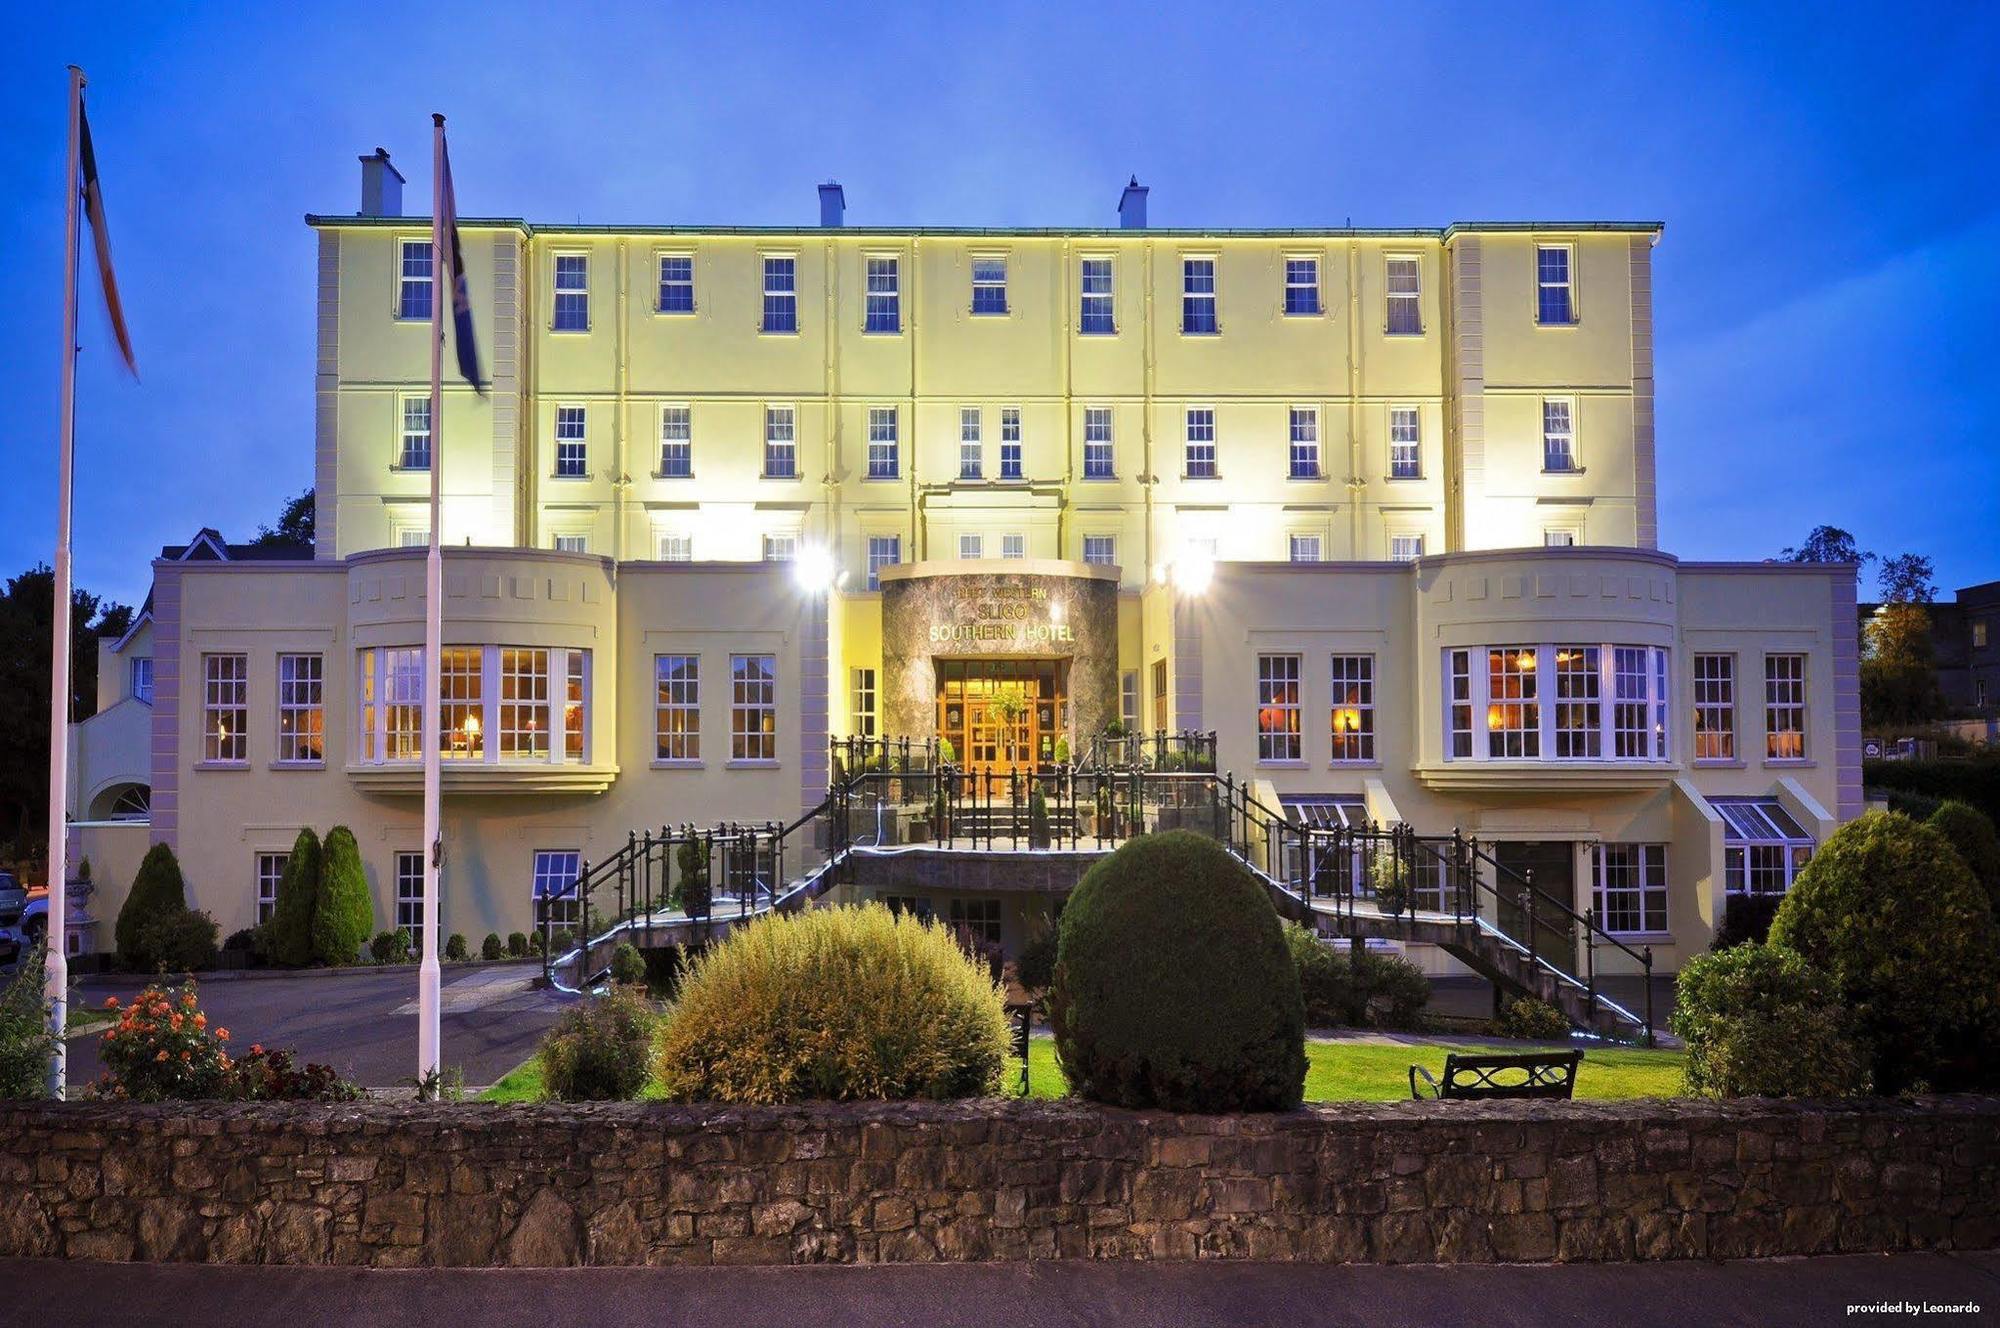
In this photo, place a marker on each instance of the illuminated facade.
(1376, 507)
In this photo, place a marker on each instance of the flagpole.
(429, 1033)
(56, 969)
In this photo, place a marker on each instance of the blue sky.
(1827, 176)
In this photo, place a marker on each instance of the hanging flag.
(100, 234)
(461, 301)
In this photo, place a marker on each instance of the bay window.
(1763, 848)
(495, 704)
(1568, 718)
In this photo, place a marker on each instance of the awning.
(1757, 821)
(1324, 811)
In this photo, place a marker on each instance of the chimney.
(832, 204)
(1132, 206)
(381, 186)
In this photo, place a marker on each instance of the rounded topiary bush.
(1970, 832)
(1174, 986)
(844, 1003)
(158, 893)
(288, 935)
(1890, 913)
(491, 948)
(628, 966)
(344, 913)
(182, 942)
(1759, 1021)
(597, 1050)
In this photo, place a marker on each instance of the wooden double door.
(1002, 715)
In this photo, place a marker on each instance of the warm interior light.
(1495, 717)
(1346, 719)
(470, 727)
(1525, 660)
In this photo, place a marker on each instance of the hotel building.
(1376, 507)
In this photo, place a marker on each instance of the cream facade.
(1304, 477)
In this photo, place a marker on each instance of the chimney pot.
(381, 186)
(1132, 206)
(832, 204)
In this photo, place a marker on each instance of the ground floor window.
(556, 896)
(864, 703)
(410, 896)
(978, 919)
(1630, 886)
(1763, 848)
(270, 870)
(915, 906)
(1128, 700)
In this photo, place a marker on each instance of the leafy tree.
(295, 524)
(158, 893)
(1905, 578)
(345, 914)
(1827, 544)
(289, 934)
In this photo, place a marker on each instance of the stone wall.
(392, 1185)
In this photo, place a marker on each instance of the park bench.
(1503, 1075)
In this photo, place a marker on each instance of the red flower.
(110, 1002)
(222, 1035)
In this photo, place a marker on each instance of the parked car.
(13, 907)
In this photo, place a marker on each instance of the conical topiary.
(344, 916)
(289, 934)
(158, 892)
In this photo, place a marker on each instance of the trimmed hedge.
(1975, 780)
(182, 942)
(1970, 831)
(1891, 914)
(1381, 991)
(158, 893)
(289, 934)
(1533, 1020)
(345, 914)
(1759, 1021)
(1174, 986)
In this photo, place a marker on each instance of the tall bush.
(1891, 914)
(345, 914)
(1970, 832)
(289, 934)
(597, 1050)
(158, 892)
(25, 1040)
(1173, 984)
(182, 942)
(843, 1002)
(692, 892)
(1759, 1021)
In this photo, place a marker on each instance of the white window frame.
(269, 869)
(984, 284)
(1714, 681)
(571, 542)
(753, 693)
(1566, 286)
(1302, 457)
(971, 444)
(1199, 460)
(1785, 696)
(1010, 443)
(1128, 700)
(555, 868)
(1310, 289)
(676, 441)
(1559, 436)
(1198, 295)
(225, 700)
(1643, 872)
(408, 884)
(882, 292)
(474, 683)
(661, 259)
(1097, 310)
(883, 551)
(781, 546)
(780, 288)
(1280, 692)
(971, 546)
(1406, 547)
(1558, 537)
(677, 698)
(866, 699)
(1013, 544)
(1403, 292)
(1100, 550)
(1755, 844)
(569, 309)
(141, 674)
(1351, 712)
(1406, 443)
(1306, 546)
(572, 442)
(885, 461)
(781, 442)
(301, 709)
(407, 283)
(1587, 713)
(415, 445)
(1100, 443)
(676, 546)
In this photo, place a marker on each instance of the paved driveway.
(363, 1022)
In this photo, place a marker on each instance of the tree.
(344, 917)
(295, 525)
(1899, 675)
(1827, 544)
(1905, 578)
(158, 893)
(288, 937)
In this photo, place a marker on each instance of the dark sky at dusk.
(1827, 174)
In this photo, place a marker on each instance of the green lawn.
(1335, 1072)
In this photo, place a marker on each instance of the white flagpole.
(429, 997)
(56, 972)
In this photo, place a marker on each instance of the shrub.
(390, 947)
(289, 934)
(1035, 966)
(271, 1076)
(628, 966)
(1326, 982)
(947, 754)
(1062, 750)
(1759, 1021)
(242, 941)
(25, 1040)
(157, 891)
(841, 1002)
(454, 947)
(1038, 819)
(491, 948)
(597, 1050)
(344, 913)
(1976, 780)
(692, 893)
(162, 1048)
(1394, 992)
(1746, 920)
(1173, 984)
(1970, 831)
(1391, 886)
(182, 942)
(1533, 1020)
(1892, 915)
(517, 944)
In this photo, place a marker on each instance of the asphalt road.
(362, 1022)
(1039, 1295)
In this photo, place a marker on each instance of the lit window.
(572, 544)
(676, 547)
(1513, 715)
(1580, 703)
(883, 551)
(1013, 546)
(1763, 848)
(415, 453)
(1198, 296)
(1100, 550)
(781, 443)
(1096, 316)
(676, 283)
(1715, 707)
(570, 442)
(1405, 443)
(1553, 305)
(1785, 707)
(1201, 444)
(781, 294)
(1301, 287)
(989, 284)
(885, 296)
(1278, 707)
(971, 546)
(1353, 707)
(1632, 720)
(572, 311)
(882, 443)
(1577, 724)
(524, 704)
(753, 708)
(1558, 439)
(864, 703)
(677, 708)
(401, 710)
(556, 896)
(576, 694)
(1305, 548)
(225, 707)
(415, 284)
(1405, 289)
(461, 709)
(1406, 548)
(1558, 539)
(1630, 884)
(781, 548)
(676, 443)
(971, 451)
(1097, 445)
(301, 708)
(1010, 442)
(410, 897)
(270, 870)
(142, 679)
(1979, 634)
(1305, 443)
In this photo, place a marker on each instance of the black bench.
(1502, 1075)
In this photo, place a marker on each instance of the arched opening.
(123, 802)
